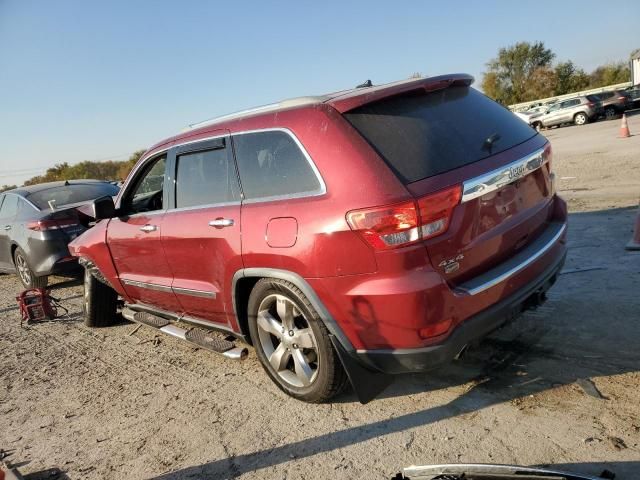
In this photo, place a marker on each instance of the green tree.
(4, 188)
(610, 74)
(570, 78)
(510, 72)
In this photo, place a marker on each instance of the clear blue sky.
(89, 80)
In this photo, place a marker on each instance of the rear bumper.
(426, 358)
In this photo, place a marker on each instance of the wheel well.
(14, 247)
(580, 113)
(244, 286)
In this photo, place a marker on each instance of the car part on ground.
(37, 305)
(472, 471)
(350, 236)
(36, 224)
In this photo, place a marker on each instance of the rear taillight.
(591, 104)
(405, 223)
(45, 225)
(386, 227)
(622, 98)
(436, 209)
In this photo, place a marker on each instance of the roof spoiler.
(357, 98)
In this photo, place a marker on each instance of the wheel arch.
(245, 279)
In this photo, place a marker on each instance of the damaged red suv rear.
(347, 237)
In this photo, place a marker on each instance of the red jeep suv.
(347, 237)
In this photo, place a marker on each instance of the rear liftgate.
(203, 338)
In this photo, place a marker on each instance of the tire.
(580, 118)
(25, 273)
(610, 113)
(100, 302)
(311, 372)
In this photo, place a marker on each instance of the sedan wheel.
(287, 341)
(610, 113)
(26, 275)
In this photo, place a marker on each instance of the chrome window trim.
(313, 193)
(193, 292)
(518, 268)
(498, 178)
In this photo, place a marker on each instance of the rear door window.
(423, 135)
(271, 164)
(205, 178)
(9, 207)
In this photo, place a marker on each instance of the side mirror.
(103, 207)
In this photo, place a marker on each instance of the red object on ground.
(624, 128)
(634, 243)
(35, 306)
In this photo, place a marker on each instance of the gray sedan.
(38, 222)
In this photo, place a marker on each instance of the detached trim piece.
(167, 288)
(517, 263)
(498, 178)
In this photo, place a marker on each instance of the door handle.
(221, 222)
(149, 228)
(7, 227)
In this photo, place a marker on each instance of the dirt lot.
(115, 404)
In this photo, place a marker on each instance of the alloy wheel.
(23, 269)
(580, 119)
(609, 113)
(287, 341)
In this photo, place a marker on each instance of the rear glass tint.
(423, 135)
(70, 194)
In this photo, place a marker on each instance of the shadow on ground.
(579, 334)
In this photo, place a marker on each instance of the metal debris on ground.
(583, 269)
(590, 388)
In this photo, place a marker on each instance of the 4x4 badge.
(452, 264)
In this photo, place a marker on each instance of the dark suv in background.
(611, 104)
(347, 237)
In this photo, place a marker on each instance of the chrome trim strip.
(200, 207)
(194, 293)
(512, 271)
(174, 331)
(498, 178)
(150, 286)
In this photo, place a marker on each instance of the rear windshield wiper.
(488, 143)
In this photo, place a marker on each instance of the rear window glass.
(57, 197)
(423, 135)
(271, 165)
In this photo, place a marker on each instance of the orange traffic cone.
(624, 128)
(634, 243)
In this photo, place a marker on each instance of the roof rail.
(271, 107)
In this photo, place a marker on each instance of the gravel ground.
(559, 387)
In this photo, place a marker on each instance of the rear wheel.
(26, 275)
(292, 343)
(610, 113)
(100, 302)
(580, 118)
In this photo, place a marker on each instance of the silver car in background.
(38, 222)
(578, 110)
